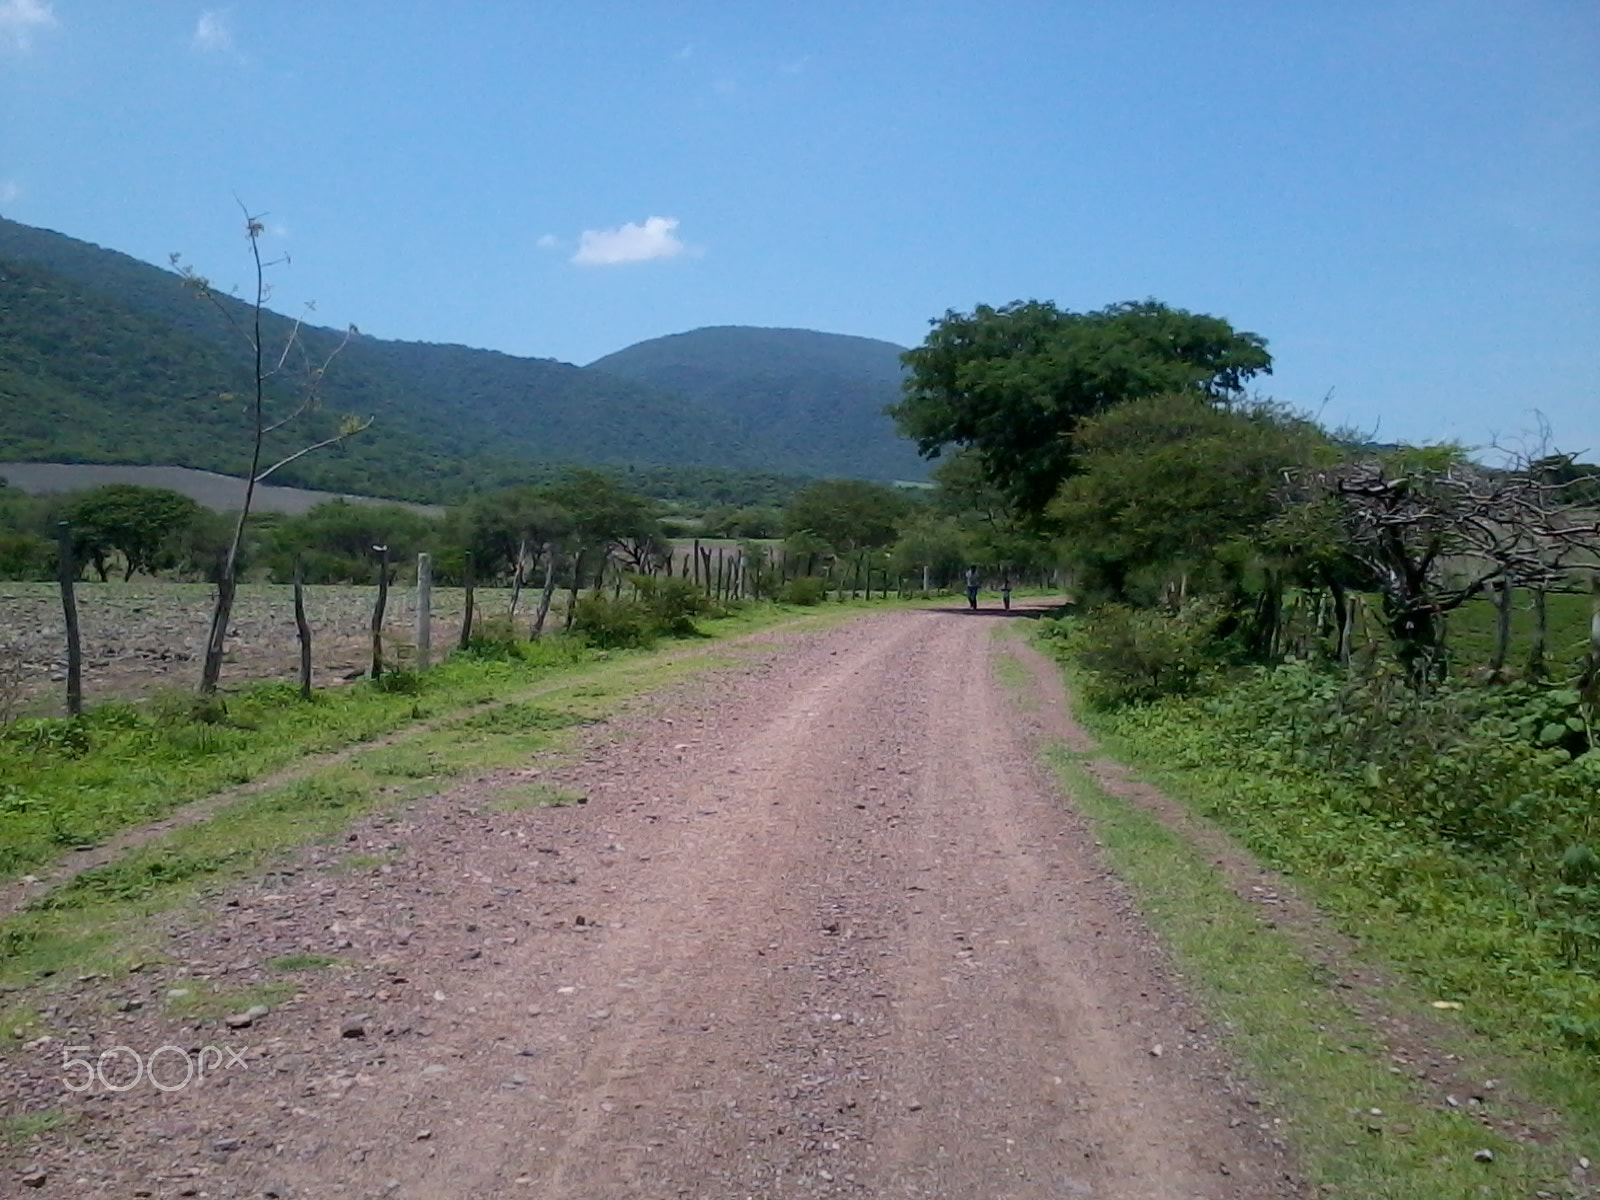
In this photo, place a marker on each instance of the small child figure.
(1005, 591)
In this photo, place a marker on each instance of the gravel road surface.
(824, 927)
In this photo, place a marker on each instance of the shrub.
(399, 681)
(494, 639)
(609, 624)
(672, 604)
(807, 591)
(1133, 655)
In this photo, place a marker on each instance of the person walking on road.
(972, 588)
(1005, 591)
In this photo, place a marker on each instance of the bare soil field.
(223, 493)
(143, 636)
(824, 927)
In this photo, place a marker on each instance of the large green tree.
(135, 522)
(1166, 481)
(847, 514)
(1014, 383)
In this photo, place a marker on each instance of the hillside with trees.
(105, 359)
(819, 397)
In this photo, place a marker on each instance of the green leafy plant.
(807, 591)
(1132, 655)
(609, 624)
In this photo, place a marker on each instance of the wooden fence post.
(1502, 631)
(377, 611)
(302, 628)
(424, 611)
(67, 572)
(466, 616)
(548, 592)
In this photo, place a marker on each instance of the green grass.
(302, 962)
(66, 784)
(208, 1001)
(18, 1128)
(1324, 1068)
(533, 795)
(1470, 633)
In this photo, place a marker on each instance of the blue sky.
(1403, 198)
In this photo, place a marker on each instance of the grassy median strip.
(1361, 1127)
(67, 784)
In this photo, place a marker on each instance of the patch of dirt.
(822, 927)
(142, 636)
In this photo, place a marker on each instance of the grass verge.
(1361, 1127)
(67, 784)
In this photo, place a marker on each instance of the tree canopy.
(847, 514)
(1166, 481)
(1013, 383)
(123, 518)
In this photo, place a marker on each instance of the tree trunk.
(217, 639)
(1594, 626)
(577, 583)
(1343, 619)
(466, 616)
(377, 612)
(549, 590)
(516, 578)
(68, 575)
(1502, 628)
(302, 628)
(1541, 632)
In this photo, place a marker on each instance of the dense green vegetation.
(1013, 383)
(838, 530)
(818, 398)
(107, 359)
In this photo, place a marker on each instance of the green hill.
(818, 396)
(106, 359)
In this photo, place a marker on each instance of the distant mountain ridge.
(819, 396)
(104, 358)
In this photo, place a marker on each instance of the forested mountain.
(104, 358)
(819, 396)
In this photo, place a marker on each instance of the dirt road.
(823, 928)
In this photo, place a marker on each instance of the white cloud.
(548, 241)
(20, 20)
(629, 243)
(211, 34)
(10, 189)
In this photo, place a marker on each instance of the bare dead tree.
(303, 397)
(1433, 537)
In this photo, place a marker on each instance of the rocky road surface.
(824, 928)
